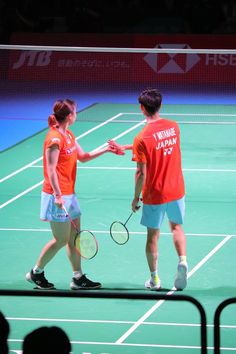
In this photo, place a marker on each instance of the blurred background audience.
(117, 16)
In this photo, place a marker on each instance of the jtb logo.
(31, 58)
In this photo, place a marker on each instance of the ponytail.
(61, 109)
(52, 122)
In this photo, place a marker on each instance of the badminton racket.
(119, 232)
(85, 241)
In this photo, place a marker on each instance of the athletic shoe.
(39, 279)
(153, 284)
(181, 276)
(84, 283)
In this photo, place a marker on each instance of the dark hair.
(46, 340)
(61, 109)
(151, 100)
(4, 333)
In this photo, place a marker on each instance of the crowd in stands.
(42, 340)
(117, 16)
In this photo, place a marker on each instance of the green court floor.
(105, 189)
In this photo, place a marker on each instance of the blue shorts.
(50, 212)
(153, 215)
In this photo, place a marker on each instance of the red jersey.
(158, 146)
(66, 166)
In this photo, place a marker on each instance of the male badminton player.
(61, 152)
(159, 177)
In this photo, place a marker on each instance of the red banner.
(124, 67)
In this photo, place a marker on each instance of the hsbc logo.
(172, 63)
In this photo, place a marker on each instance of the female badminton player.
(61, 152)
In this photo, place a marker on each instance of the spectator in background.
(4, 333)
(205, 16)
(46, 340)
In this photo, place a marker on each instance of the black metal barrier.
(100, 294)
(217, 322)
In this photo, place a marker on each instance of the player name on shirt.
(165, 138)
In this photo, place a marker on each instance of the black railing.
(217, 322)
(119, 295)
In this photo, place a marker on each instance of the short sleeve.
(138, 151)
(53, 138)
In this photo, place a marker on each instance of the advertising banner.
(124, 67)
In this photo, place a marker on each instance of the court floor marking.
(124, 345)
(160, 302)
(167, 346)
(20, 170)
(122, 134)
(21, 194)
(134, 168)
(40, 158)
(186, 114)
(41, 182)
(107, 232)
(120, 341)
(111, 119)
(193, 115)
(168, 324)
(111, 168)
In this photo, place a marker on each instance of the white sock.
(182, 259)
(77, 274)
(37, 270)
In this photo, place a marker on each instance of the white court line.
(134, 168)
(195, 115)
(21, 194)
(115, 344)
(107, 121)
(5, 229)
(122, 134)
(188, 114)
(20, 170)
(80, 136)
(69, 320)
(145, 345)
(160, 302)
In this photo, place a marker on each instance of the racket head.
(119, 232)
(86, 244)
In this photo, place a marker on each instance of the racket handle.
(65, 210)
(68, 215)
(128, 218)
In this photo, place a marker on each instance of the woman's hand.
(59, 201)
(116, 148)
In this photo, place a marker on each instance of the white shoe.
(153, 285)
(181, 276)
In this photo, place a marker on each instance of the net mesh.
(198, 86)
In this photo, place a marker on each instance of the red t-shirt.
(66, 166)
(158, 146)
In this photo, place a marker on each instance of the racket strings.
(86, 244)
(119, 232)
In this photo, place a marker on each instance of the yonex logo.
(172, 63)
(168, 151)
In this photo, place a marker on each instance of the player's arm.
(83, 156)
(140, 175)
(52, 155)
(117, 146)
